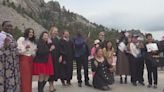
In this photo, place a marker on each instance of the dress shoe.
(69, 83)
(141, 83)
(87, 84)
(155, 86)
(149, 86)
(134, 84)
(79, 84)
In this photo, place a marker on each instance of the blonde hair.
(52, 29)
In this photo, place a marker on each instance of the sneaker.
(141, 83)
(63, 83)
(149, 86)
(87, 84)
(155, 86)
(134, 84)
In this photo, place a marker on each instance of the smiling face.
(101, 36)
(149, 38)
(45, 37)
(7, 27)
(66, 34)
(54, 32)
(109, 45)
(134, 39)
(31, 33)
(99, 52)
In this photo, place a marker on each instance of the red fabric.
(26, 73)
(43, 68)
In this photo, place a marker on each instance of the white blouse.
(134, 50)
(22, 43)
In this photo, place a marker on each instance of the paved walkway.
(115, 88)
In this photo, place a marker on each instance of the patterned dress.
(9, 68)
(103, 76)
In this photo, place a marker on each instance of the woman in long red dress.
(27, 48)
(42, 65)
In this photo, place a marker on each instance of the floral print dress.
(9, 67)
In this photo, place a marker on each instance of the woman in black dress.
(103, 76)
(55, 57)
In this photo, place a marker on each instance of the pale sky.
(146, 15)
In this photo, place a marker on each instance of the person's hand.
(6, 42)
(112, 69)
(52, 48)
(49, 41)
(97, 45)
(96, 64)
(27, 46)
(93, 74)
(60, 59)
(35, 49)
(154, 52)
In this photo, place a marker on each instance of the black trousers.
(133, 68)
(66, 70)
(136, 69)
(140, 69)
(152, 72)
(82, 61)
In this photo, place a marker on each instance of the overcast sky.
(146, 15)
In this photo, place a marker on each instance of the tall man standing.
(81, 55)
(66, 59)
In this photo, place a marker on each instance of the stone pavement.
(115, 88)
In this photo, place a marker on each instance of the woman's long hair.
(41, 36)
(51, 30)
(26, 35)
(106, 45)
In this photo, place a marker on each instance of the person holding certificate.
(151, 64)
(122, 64)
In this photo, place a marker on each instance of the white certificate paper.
(152, 47)
(122, 46)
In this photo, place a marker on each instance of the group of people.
(133, 54)
(51, 58)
